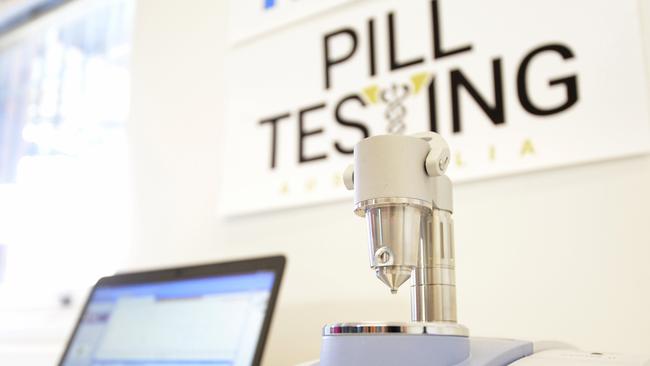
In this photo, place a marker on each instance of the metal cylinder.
(394, 231)
(433, 292)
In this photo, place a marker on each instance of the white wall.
(561, 254)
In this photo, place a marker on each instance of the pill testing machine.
(401, 189)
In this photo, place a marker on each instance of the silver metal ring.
(360, 207)
(435, 328)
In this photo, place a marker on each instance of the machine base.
(420, 350)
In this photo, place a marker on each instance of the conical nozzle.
(393, 276)
(394, 235)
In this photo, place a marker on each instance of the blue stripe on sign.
(268, 4)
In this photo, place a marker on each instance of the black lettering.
(349, 123)
(329, 62)
(371, 47)
(394, 63)
(431, 92)
(303, 134)
(570, 82)
(438, 51)
(274, 134)
(495, 113)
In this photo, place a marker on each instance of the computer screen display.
(200, 321)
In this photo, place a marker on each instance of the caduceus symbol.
(394, 97)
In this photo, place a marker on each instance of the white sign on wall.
(513, 86)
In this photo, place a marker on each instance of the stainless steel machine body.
(401, 190)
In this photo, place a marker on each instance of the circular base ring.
(394, 328)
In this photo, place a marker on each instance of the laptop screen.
(200, 321)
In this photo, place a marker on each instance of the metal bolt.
(442, 163)
(384, 257)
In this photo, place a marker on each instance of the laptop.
(209, 315)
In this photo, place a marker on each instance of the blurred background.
(117, 120)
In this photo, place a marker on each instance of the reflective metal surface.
(394, 232)
(409, 237)
(393, 276)
(431, 328)
(433, 293)
(360, 208)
